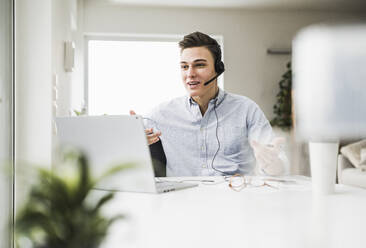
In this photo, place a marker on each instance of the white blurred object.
(329, 66)
(323, 161)
(363, 156)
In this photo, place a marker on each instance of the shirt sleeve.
(150, 120)
(260, 130)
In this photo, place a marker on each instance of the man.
(210, 131)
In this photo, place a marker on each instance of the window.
(132, 73)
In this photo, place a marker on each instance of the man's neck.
(203, 101)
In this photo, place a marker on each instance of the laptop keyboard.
(166, 186)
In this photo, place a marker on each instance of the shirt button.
(203, 166)
(202, 129)
(203, 148)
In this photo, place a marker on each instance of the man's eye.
(184, 67)
(200, 65)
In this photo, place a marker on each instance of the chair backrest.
(158, 159)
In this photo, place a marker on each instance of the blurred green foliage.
(58, 213)
(283, 107)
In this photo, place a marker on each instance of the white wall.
(33, 81)
(66, 26)
(247, 35)
(42, 26)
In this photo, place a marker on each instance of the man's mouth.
(193, 83)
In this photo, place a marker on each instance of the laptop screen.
(108, 141)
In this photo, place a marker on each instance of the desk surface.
(216, 216)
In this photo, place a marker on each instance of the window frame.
(7, 125)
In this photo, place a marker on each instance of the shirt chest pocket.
(180, 136)
(233, 140)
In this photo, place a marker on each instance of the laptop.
(108, 141)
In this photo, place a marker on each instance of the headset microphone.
(212, 79)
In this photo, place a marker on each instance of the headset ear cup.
(220, 67)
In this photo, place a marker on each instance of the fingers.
(151, 136)
(267, 156)
(149, 131)
(261, 163)
(264, 154)
(271, 165)
(265, 159)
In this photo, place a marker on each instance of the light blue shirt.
(190, 142)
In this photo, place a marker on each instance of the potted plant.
(59, 213)
(283, 107)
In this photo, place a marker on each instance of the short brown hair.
(198, 39)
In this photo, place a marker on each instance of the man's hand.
(268, 156)
(150, 135)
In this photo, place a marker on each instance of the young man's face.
(197, 67)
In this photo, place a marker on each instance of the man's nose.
(191, 72)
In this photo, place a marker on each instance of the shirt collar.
(219, 98)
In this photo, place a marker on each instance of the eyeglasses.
(238, 182)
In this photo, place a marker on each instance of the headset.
(219, 68)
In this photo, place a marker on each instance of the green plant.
(283, 107)
(59, 213)
(79, 113)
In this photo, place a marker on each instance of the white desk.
(216, 216)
